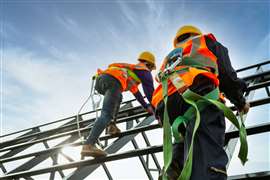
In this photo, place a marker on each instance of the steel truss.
(137, 122)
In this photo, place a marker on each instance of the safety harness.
(123, 72)
(197, 104)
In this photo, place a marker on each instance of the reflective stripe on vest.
(123, 72)
(196, 59)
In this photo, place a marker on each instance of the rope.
(95, 105)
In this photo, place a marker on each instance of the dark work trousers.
(111, 89)
(208, 154)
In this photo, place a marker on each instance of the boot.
(92, 150)
(113, 129)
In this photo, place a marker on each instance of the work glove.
(245, 108)
(150, 110)
(159, 121)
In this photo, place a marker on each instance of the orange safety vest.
(123, 72)
(196, 59)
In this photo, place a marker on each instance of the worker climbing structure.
(29, 148)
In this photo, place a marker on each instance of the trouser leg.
(208, 152)
(210, 135)
(112, 129)
(176, 107)
(112, 99)
(116, 110)
(176, 165)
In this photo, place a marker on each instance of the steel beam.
(87, 163)
(141, 129)
(84, 171)
(58, 148)
(252, 103)
(13, 152)
(147, 142)
(38, 159)
(73, 132)
(256, 86)
(253, 66)
(72, 125)
(107, 171)
(3, 168)
(145, 167)
(257, 75)
(136, 146)
(252, 176)
(60, 120)
(88, 166)
(257, 129)
(54, 158)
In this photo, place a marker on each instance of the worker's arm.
(146, 106)
(147, 85)
(230, 84)
(140, 99)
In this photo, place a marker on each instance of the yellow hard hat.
(184, 30)
(148, 57)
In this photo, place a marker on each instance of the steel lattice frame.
(129, 115)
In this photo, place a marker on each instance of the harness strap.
(129, 73)
(228, 113)
(189, 114)
(197, 103)
(186, 172)
(178, 137)
(167, 136)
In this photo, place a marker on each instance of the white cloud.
(70, 25)
(128, 13)
(262, 50)
(56, 89)
(7, 29)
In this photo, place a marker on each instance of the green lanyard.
(197, 103)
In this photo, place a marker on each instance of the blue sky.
(50, 48)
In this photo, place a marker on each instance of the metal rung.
(124, 155)
(256, 176)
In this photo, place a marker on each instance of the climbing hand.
(150, 110)
(245, 108)
(159, 121)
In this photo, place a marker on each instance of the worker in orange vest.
(117, 78)
(196, 70)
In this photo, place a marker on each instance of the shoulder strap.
(211, 36)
